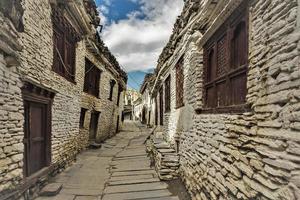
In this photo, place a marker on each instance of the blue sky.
(136, 31)
(118, 9)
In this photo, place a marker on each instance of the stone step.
(135, 187)
(51, 189)
(94, 145)
(131, 169)
(137, 195)
(133, 181)
(135, 177)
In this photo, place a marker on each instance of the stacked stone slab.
(164, 157)
(253, 154)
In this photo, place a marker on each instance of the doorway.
(94, 125)
(37, 128)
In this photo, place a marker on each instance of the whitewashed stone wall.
(253, 155)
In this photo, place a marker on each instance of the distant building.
(147, 106)
(131, 96)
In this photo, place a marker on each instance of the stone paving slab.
(137, 195)
(137, 168)
(58, 197)
(87, 198)
(119, 170)
(130, 158)
(135, 177)
(81, 192)
(163, 198)
(133, 173)
(136, 187)
(133, 181)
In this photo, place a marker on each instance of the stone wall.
(254, 155)
(109, 111)
(11, 110)
(34, 64)
(11, 127)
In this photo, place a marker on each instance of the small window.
(119, 94)
(167, 94)
(161, 107)
(179, 84)
(82, 117)
(111, 91)
(91, 79)
(225, 64)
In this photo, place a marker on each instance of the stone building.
(137, 108)
(47, 95)
(131, 96)
(146, 99)
(227, 99)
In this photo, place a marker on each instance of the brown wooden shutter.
(168, 94)
(225, 65)
(179, 84)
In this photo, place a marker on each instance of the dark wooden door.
(35, 139)
(94, 125)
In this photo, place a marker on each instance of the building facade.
(226, 98)
(45, 88)
(131, 96)
(145, 90)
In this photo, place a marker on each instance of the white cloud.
(138, 40)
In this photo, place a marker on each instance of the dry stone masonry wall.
(253, 155)
(26, 56)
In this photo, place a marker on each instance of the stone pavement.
(119, 170)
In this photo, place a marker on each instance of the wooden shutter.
(58, 51)
(168, 94)
(225, 65)
(179, 84)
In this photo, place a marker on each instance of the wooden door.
(94, 125)
(35, 140)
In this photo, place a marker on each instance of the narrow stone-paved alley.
(120, 169)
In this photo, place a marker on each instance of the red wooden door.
(35, 136)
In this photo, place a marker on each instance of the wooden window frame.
(92, 79)
(179, 84)
(168, 94)
(82, 117)
(65, 38)
(112, 85)
(216, 103)
(33, 93)
(120, 90)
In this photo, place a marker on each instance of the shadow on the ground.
(177, 188)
